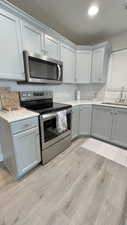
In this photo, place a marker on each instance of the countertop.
(23, 113)
(13, 116)
(80, 102)
(90, 102)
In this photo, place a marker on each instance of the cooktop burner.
(41, 104)
(54, 108)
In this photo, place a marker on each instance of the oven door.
(41, 69)
(49, 133)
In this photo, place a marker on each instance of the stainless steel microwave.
(41, 69)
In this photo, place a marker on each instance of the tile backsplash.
(92, 91)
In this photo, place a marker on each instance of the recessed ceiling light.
(93, 10)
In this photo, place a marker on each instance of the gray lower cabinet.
(21, 145)
(81, 120)
(102, 122)
(27, 150)
(110, 124)
(85, 120)
(75, 122)
(119, 128)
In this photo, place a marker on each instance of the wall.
(117, 75)
(60, 92)
(92, 91)
(119, 41)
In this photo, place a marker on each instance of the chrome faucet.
(121, 99)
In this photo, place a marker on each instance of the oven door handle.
(49, 116)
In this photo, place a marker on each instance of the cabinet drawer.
(22, 125)
(85, 107)
(75, 108)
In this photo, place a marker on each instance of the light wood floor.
(78, 187)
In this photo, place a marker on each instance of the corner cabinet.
(68, 58)
(102, 122)
(32, 38)
(75, 122)
(11, 60)
(81, 120)
(85, 120)
(83, 66)
(100, 61)
(52, 47)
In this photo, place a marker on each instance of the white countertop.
(16, 115)
(90, 102)
(80, 102)
(23, 113)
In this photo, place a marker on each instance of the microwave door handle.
(59, 71)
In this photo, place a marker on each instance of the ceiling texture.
(70, 18)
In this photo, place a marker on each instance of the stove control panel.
(29, 95)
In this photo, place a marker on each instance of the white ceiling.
(69, 17)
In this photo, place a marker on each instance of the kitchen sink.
(115, 103)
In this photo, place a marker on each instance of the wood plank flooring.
(78, 187)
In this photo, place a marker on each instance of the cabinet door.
(83, 66)
(102, 122)
(85, 120)
(27, 150)
(33, 39)
(68, 58)
(119, 130)
(98, 65)
(75, 122)
(52, 47)
(11, 62)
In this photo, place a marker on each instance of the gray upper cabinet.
(68, 58)
(100, 60)
(97, 65)
(119, 129)
(83, 66)
(85, 120)
(102, 122)
(75, 122)
(52, 47)
(11, 62)
(33, 38)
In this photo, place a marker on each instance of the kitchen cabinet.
(11, 62)
(81, 120)
(83, 66)
(100, 60)
(102, 122)
(68, 58)
(52, 47)
(97, 65)
(85, 120)
(33, 38)
(75, 122)
(27, 150)
(119, 128)
(22, 150)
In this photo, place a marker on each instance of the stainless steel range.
(52, 141)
